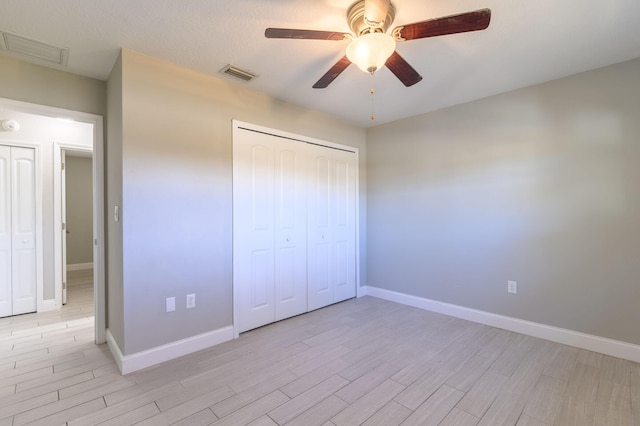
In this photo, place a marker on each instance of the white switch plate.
(191, 301)
(512, 287)
(171, 304)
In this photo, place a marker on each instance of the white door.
(320, 261)
(331, 227)
(269, 229)
(344, 225)
(254, 232)
(18, 217)
(290, 228)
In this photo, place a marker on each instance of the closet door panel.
(5, 231)
(261, 298)
(320, 275)
(320, 259)
(254, 232)
(23, 197)
(342, 281)
(344, 226)
(290, 228)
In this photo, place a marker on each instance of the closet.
(17, 231)
(294, 226)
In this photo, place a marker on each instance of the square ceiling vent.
(28, 48)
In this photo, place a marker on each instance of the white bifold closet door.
(269, 229)
(294, 227)
(331, 254)
(17, 231)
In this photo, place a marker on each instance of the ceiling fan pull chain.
(372, 91)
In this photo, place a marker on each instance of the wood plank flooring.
(361, 362)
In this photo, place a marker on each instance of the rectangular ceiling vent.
(33, 49)
(238, 73)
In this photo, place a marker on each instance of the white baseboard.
(577, 339)
(137, 361)
(115, 350)
(79, 266)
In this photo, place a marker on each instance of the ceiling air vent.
(238, 73)
(33, 49)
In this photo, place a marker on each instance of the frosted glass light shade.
(370, 51)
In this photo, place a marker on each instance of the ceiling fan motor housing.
(358, 24)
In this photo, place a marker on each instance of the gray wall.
(79, 209)
(540, 185)
(176, 157)
(113, 180)
(45, 86)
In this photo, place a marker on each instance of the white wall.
(173, 144)
(540, 185)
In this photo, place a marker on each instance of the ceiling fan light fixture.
(370, 51)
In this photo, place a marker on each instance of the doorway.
(51, 139)
(76, 190)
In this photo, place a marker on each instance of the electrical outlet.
(512, 287)
(171, 304)
(191, 301)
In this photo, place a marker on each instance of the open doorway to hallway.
(77, 218)
(52, 131)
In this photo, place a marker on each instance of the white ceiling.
(527, 42)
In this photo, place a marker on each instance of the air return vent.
(238, 73)
(33, 49)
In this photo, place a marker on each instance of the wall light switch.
(171, 304)
(512, 287)
(191, 301)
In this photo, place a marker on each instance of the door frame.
(98, 208)
(237, 126)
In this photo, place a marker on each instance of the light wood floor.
(364, 361)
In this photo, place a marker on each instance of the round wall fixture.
(10, 125)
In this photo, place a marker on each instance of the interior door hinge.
(62, 166)
(64, 226)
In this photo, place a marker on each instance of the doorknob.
(25, 241)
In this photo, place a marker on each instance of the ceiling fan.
(372, 47)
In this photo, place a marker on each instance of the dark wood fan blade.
(334, 72)
(464, 22)
(401, 68)
(303, 34)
